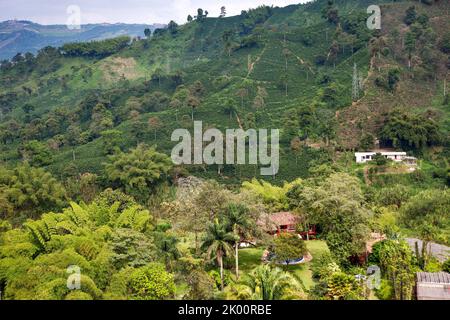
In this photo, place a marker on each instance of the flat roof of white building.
(390, 153)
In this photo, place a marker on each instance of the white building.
(363, 157)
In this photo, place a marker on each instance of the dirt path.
(251, 66)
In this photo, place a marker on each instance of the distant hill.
(26, 36)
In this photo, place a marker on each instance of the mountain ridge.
(21, 36)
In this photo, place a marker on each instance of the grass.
(250, 258)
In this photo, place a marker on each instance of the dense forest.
(88, 187)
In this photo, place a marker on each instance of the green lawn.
(250, 258)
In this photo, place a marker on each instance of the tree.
(31, 191)
(197, 89)
(36, 153)
(428, 208)
(357, 84)
(155, 123)
(157, 75)
(409, 131)
(337, 206)
(201, 286)
(189, 18)
(175, 104)
(410, 16)
(260, 99)
(101, 119)
(152, 282)
(167, 247)
(227, 38)
(27, 108)
(242, 93)
(296, 147)
(396, 261)
(379, 159)
(267, 283)
(216, 244)
(343, 286)
(393, 79)
(147, 32)
(223, 12)
(200, 14)
(193, 102)
(172, 27)
(367, 142)
(131, 248)
(229, 106)
(239, 222)
(111, 140)
(333, 52)
(410, 46)
(139, 171)
(284, 82)
(288, 247)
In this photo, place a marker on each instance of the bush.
(446, 266)
(385, 292)
(320, 60)
(152, 282)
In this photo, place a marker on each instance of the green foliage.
(152, 282)
(380, 160)
(410, 16)
(337, 206)
(139, 171)
(201, 286)
(410, 132)
(429, 208)
(131, 248)
(102, 238)
(216, 244)
(445, 43)
(36, 153)
(288, 247)
(367, 142)
(446, 266)
(111, 140)
(385, 292)
(342, 286)
(29, 191)
(273, 196)
(267, 283)
(396, 262)
(95, 49)
(324, 266)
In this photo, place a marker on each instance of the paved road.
(439, 251)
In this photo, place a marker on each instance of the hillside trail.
(302, 62)
(251, 66)
(239, 121)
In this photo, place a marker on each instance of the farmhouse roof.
(275, 220)
(436, 277)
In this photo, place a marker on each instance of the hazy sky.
(128, 11)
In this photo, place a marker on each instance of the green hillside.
(88, 190)
(300, 61)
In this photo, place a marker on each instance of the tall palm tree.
(267, 283)
(240, 223)
(216, 244)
